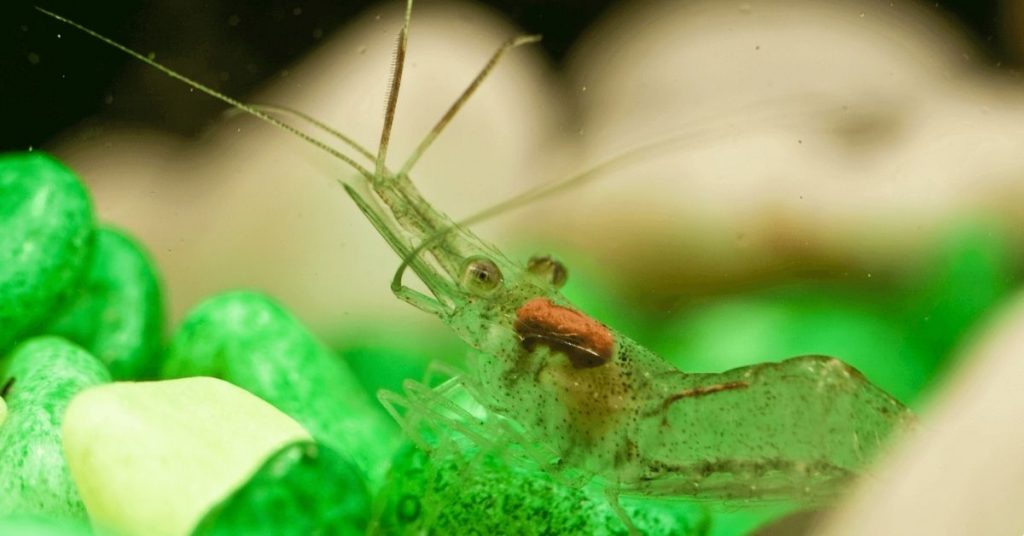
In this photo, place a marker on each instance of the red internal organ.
(585, 341)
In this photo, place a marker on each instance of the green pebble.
(118, 313)
(251, 341)
(41, 375)
(303, 489)
(460, 493)
(37, 525)
(47, 239)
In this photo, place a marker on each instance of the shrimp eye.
(548, 269)
(480, 275)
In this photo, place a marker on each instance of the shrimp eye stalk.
(480, 276)
(548, 269)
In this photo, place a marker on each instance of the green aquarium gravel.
(249, 340)
(46, 243)
(153, 457)
(302, 489)
(40, 377)
(117, 313)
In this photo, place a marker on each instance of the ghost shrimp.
(597, 404)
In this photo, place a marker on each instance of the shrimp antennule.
(235, 103)
(514, 42)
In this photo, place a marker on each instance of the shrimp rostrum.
(603, 405)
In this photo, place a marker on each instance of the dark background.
(48, 83)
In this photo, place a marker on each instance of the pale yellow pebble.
(152, 457)
(3, 411)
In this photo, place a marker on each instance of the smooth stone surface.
(47, 372)
(118, 313)
(39, 525)
(251, 341)
(47, 238)
(151, 458)
(303, 489)
(460, 493)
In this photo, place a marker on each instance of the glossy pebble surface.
(118, 313)
(483, 494)
(152, 458)
(303, 489)
(42, 375)
(248, 339)
(47, 235)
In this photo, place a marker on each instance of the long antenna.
(466, 93)
(285, 110)
(216, 94)
(523, 199)
(558, 186)
(396, 82)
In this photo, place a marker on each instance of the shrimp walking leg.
(426, 415)
(612, 495)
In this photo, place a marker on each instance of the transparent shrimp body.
(597, 402)
(605, 406)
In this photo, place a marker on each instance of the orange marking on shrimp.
(587, 342)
